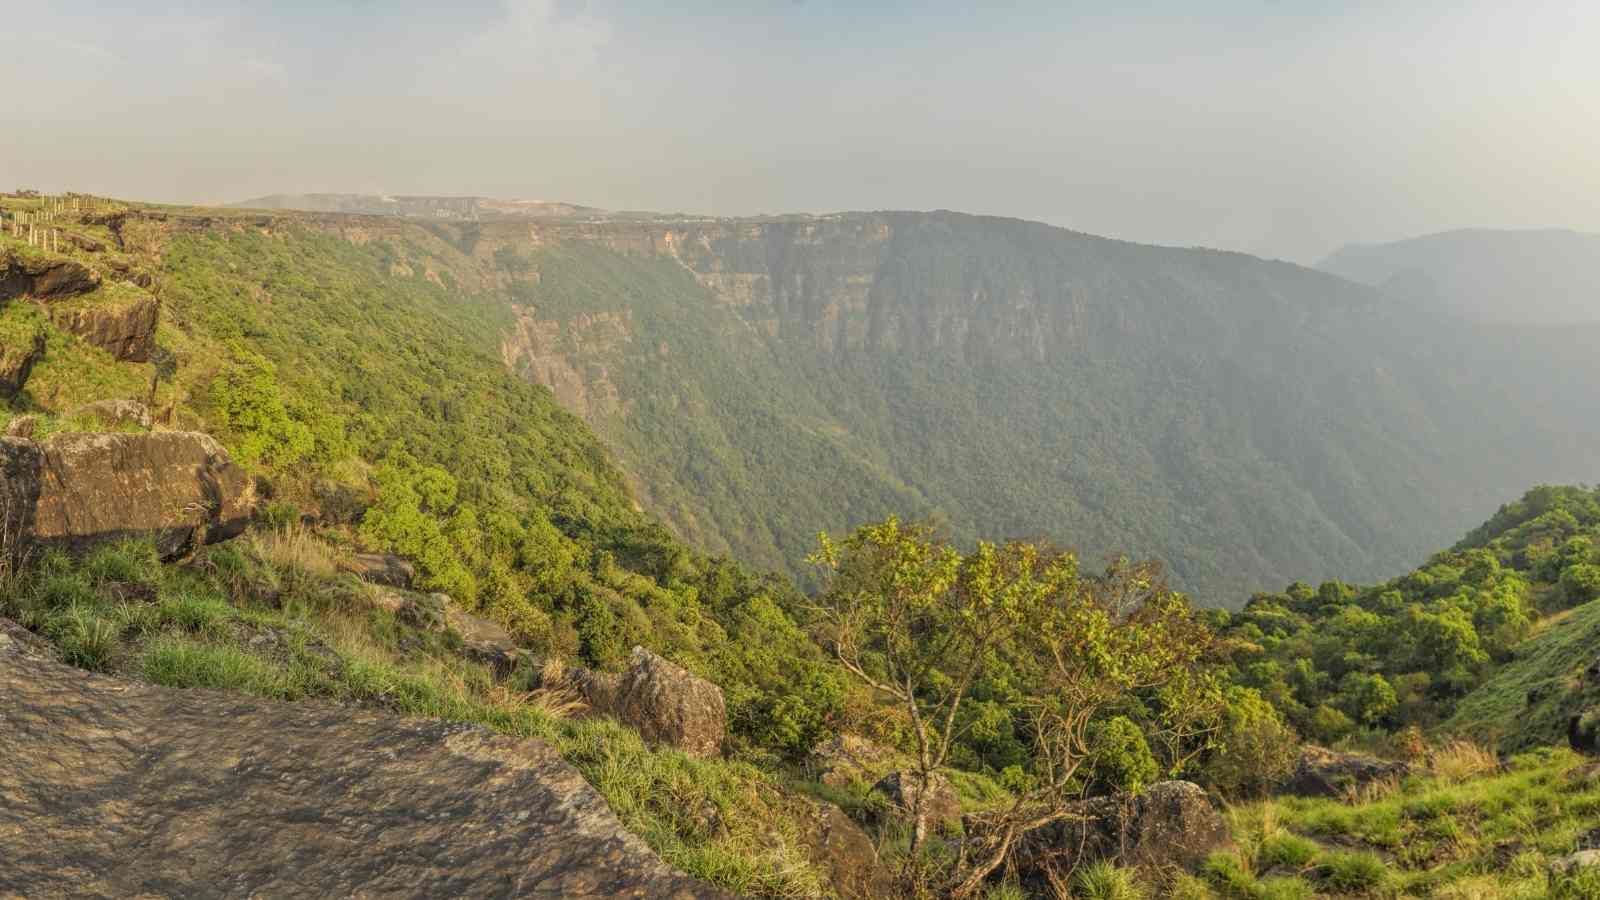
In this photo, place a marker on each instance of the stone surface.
(942, 805)
(483, 639)
(846, 853)
(1573, 862)
(382, 568)
(115, 412)
(1172, 823)
(16, 364)
(666, 703)
(126, 330)
(846, 759)
(117, 789)
(179, 489)
(44, 277)
(1320, 772)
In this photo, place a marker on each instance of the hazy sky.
(1280, 128)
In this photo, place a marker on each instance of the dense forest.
(1246, 422)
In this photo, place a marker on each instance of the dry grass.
(1374, 791)
(295, 548)
(1462, 759)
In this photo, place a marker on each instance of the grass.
(271, 615)
(1105, 881)
(1466, 826)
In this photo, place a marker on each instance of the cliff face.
(1249, 422)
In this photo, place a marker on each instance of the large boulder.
(848, 759)
(125, 330)
(845, 852)
(666, 703)
(1172, 823)
(1320, 772)
(178, 489)
(941, 804)
(110, 788)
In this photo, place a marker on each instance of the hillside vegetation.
(370, 376)
(1246, 422)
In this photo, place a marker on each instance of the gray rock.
(1573, 863)
(942, 805)
(116, 789)
(179, 489)
(1170, 824)
(1320, 772)
(382, 568)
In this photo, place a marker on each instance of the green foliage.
(1354, 872)
(1120, 760)
(1105, 881)
(247, 407)
(1405, 652)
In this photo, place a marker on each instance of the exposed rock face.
(941, 805)
(116, 789)
(483, 640)
(16, 364)
(847, 853)
(1173, 823)
(179, 489)
(43, 278)
(383, 568)
(1321, 772)
(115, 412)
(848, 758)
(666, 703)
(126, 331)
(562, 357)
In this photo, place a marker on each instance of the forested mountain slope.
(1246, 421)
(1535, 276)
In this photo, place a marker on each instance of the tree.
(919, 623)
(913, 619)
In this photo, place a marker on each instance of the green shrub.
(1226, 873)
(86, 639)
(1119, 757)
(1580, 583)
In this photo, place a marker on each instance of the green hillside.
(1489, 639)
(1246, 422)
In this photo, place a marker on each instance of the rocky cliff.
(115, 789)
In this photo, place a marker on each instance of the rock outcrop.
(125, 330)
(179, 489)
(117, 789)
(16, 364)
(382, 568)
(941, 805)
(43, 277)
(846, 853)
(1172, 823)
(1320, 772)
(663, 701)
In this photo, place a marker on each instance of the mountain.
(428, 207)
(1246, 421)
(1543, 276)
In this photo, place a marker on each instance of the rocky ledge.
(117, 789)
(177, 488)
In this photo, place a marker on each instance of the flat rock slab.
(110, 788)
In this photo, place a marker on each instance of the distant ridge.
(1542, 276)
(423, 207)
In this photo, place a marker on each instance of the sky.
(1284, 129)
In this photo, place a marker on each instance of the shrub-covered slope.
(1247, 422)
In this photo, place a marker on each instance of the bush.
(1119, 757)
(1289, 850)
(1580, 583)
